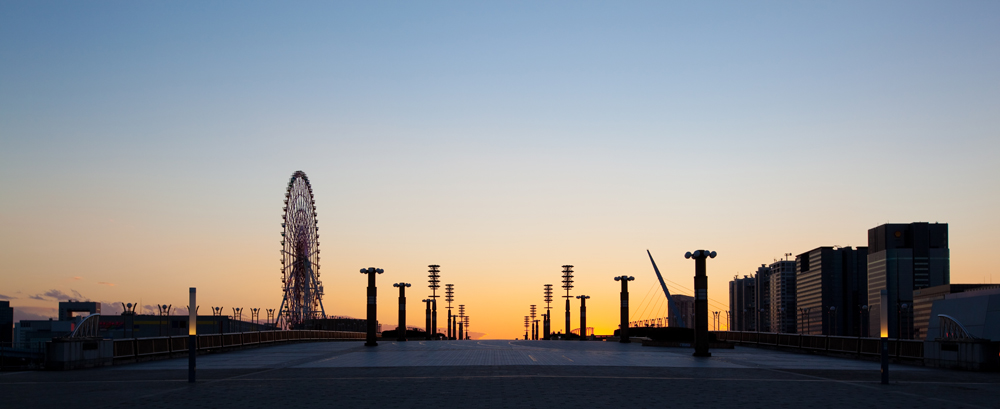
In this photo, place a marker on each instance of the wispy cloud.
(77, 278)
(37, 297)
(106, 283)
(34, 313)
(7, 297)
(58, 295)
(78, 295)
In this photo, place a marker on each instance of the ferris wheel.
(303, 291)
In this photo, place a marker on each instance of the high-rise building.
(782, 294)
(6, 323)
(762, 301)
(903, 258)
(830, 290)
(685, 307)
(741, 303)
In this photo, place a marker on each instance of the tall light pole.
(401, 329)
(547, 317)
(700, 301)
(270, 316)
(623, 331)
(461, 318)
(372, 305)
(567, 285)
(534, 332)
(466, 327)
(435, 278)
(449, 296)
(583, 316)
(526, 327)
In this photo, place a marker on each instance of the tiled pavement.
(515, 374)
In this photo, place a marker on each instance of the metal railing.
(141, 348)
(898, 348)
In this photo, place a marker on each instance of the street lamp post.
(192, 333)
(270, 316)
(623, 330)
(255, 317)
(700, 301)
(567, 285)
(583, 316)
(427, 317)
(372, 304)
(401, 336)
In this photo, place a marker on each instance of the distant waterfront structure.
(831, 283)
(903, 258)
(301, 287)
(685, 308)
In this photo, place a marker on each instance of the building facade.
(903, 258)
(742, 293)
(782, 296)
(762, 300)
(831, 290)
(923, 300)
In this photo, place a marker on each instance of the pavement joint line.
(879, 387)
(665, 378)
(266, 370)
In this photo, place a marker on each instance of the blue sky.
(498, 135)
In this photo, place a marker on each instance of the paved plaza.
(501, 374)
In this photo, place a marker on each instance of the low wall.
(78, 353)
(143, 349)
(975, 355)
(899, 349)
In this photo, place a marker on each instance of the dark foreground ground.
(500, 374)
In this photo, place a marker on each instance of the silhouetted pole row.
(583, 316)
(700, 301)
(567, 285)
(372, 306)
(623, 332)
(402, 311)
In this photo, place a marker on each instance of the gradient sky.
(145, 147)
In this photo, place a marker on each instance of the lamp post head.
(700, 254)
(372, 270)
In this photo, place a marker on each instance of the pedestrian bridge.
(500, 374)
